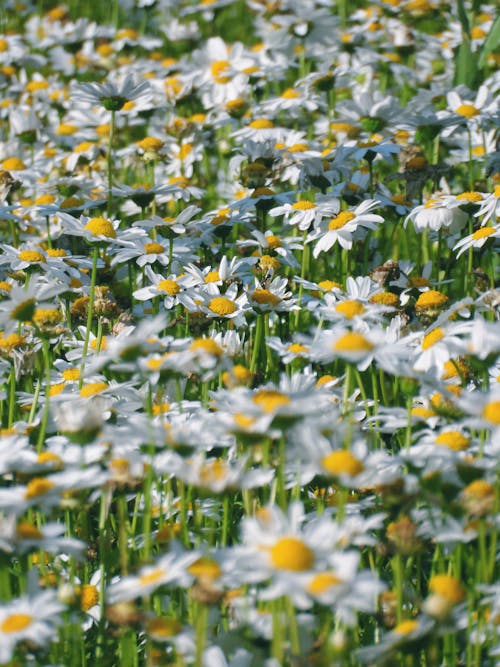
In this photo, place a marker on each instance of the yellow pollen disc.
(13, 164)
(162, 626)
(71, 202)
(47, 316)
(71, 374)
(479, 489)
(151, 577)
(298, 148)
(342, 462)
(297, 348)
(496, 191)
(431, 299)
(4, 45)
(273, 241)
(340, 220)
(56, 252)
(261, 124)
(16, 622)
(212, 277)
(184, 151)
(102, 344)
(169, 286)
(66, 129)
(56, 389)
(213, 471)
(5, 286)
(207, 345)
(150, 144)
(243, 421)
(219, 70)
(470, 196)
(432, 338)
(483, 232)
(83, 147)
(328, 285)
(423, 413)
(325, 379)
(447, 587)
(153, 248)
(45, 199)
(265, 297)
(221, 305)
(491, 412)
(92, 388)
(30, 256)
(419, 162)
(101, 227)
(11, 341)
(49, 458)
(27, 531)
(453, 440)
(303, 205)
(400, 199)
(290, 553)
(205, 567)
(268, 263)
(385, 299)
(89, 597)
(290, 94)
(270, 400)
(322, 582)
(467, 110)
(350, 309)
(478, 151)
(160, 408)
(405, 627)
(353, 341)
(38, 486)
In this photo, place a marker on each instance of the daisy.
(112, 96)
(477, 239)
(30, 618)
(304, 213)
(341, 228)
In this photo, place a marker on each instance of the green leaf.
(465, 65)
(462, 15)
(491, 43)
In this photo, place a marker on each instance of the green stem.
(110, 160)
(90, 310)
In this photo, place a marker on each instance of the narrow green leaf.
(465, 65)
(462, 15)
(491, 42)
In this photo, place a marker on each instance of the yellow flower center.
(261, 124)
(340, 220)
(290, 94)
(432, 338)
(151, 577)
(431, 299)
(56, 252)
(270, 400)
(491, 412)
(453, 440)
(206, 345)
(212, 277)
(27, 531)
(467, 110)
(219, 71)
(49, 458)
(221, 305)
(169, 286)
(385, 299)
(153, 248)
(45, 199)
(479, 489)
(164, 627)
(30, 256)
(71, 374)
(447, 587)
(405, 627)
(11, 341)
(303, 205)
(56, 389)
(297, 348)
(423, 413)
(47, 317)
(89, 597)
(290, 553)
(16, 623)
(13, 164)
(92, 388)
(265, 297)
(328, 285)
(350, 309)
(184, 151)
(38, 486)
(150, 144)
(101, 227)
(322, 582)
(470, 196)
(213, 471)
(353, 341)
(342, 462)
(205, 567)
(483, 232)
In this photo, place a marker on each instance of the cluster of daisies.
(250, 334)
